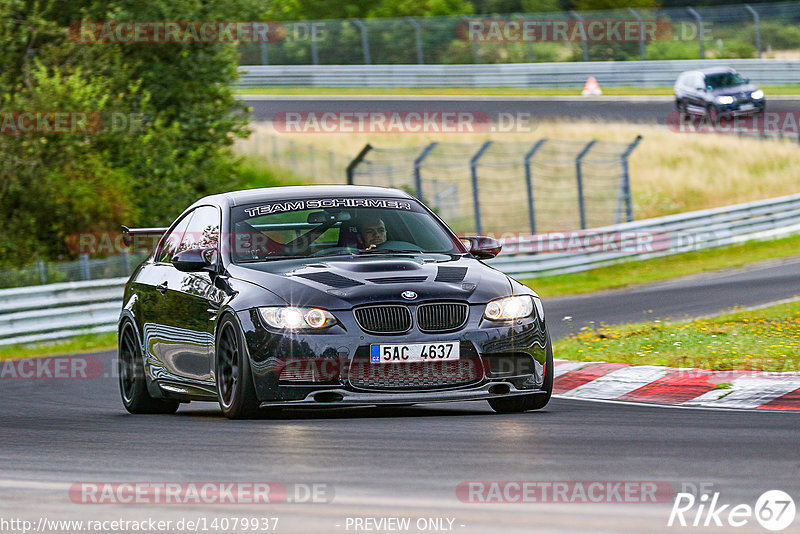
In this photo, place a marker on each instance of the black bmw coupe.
(322, 296)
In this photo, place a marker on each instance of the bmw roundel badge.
(408, 295)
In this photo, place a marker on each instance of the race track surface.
(408, 462)
(620, 109)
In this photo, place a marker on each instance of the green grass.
(495, 91)
(254, 173)
(77, 345)
(659, 269)
(766, 339)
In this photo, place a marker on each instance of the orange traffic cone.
(591, 87)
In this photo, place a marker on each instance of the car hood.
(739, 91)
(343, 282)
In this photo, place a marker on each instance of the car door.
(191, 304)
(152, 288)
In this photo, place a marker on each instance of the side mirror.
(482, 247)
(194, 260)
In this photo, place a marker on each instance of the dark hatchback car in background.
(718, 91)
(326, 296)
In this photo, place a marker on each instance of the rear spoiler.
(128, 233)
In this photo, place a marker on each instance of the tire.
(132, 382)
(235, 389)
(524, 403)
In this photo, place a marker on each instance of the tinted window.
(723, 80)
(203, 229)
(169, 245)
(323, 227)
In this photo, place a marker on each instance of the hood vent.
(397, 279)
(451, 275)
(331, 279)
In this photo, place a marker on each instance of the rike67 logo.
(774, 510)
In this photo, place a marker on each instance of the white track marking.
(617, 383)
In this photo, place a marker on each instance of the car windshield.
(723, 80)
(319, 227)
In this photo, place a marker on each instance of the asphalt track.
(407, 462)
(653, 109)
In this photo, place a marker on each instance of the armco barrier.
(64, 310)
(672, 234)
(607, 73)
(57, 311)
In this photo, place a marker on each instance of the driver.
(372, 231)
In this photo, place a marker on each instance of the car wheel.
(235, 389)
(680, 106)
(132, 382)
(524, 403)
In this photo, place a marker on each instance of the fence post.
(364, 40)
(700, 32)
(579, 175)
(86, 273)
(625, 184)
(312, 36)
(473, 164)
(529, 182)
(264, 53)
(475, 58)
(757, 27)
(417, 39)
(638, 17)
(418, 164)
(351, 167)
(584, 43)
(42, 271)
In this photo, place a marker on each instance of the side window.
(203, 230)
(169, 246)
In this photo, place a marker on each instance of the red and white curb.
(677, 386)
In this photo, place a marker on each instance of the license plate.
(414, 352)
(746, 107)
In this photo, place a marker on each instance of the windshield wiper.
(272, 258)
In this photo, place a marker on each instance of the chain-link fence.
(721, 32)
(509, 187)
(42, 272)
(301, 159)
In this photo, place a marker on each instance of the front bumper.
(344, 397)
(342, 349)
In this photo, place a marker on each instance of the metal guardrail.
(650, 238)
(56, 311)
(607, 73)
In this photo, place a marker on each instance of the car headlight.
(297, 318)
(758, 94)
(725, 99)
(509, 308)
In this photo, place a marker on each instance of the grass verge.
(77, 345)
(665, 268)
(776, 90)
(767, 339)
